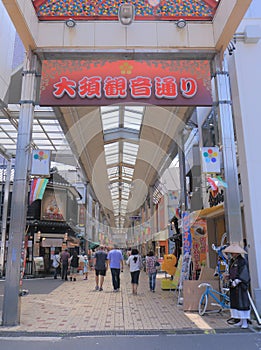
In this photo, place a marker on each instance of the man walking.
(115, 258)
(65, 256)
(101, 265)
(56, 264)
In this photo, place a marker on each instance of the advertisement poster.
(54, 205)
(39, 263)
(199, 244)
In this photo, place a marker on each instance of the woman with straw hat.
(239, 283)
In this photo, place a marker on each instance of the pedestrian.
(65, 256)
(115, 259)
(135, 264)
(101, 265)
(239, 279)
(85, 267)
(56, 264)
(74, 264)
(151, 269)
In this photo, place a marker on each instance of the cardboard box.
(192, 294)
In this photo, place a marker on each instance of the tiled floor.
(77, 307)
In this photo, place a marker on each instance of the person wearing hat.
(239, 282)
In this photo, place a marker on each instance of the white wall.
(245, 75)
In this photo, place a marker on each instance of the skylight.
(121, 155)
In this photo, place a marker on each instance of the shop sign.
(210, 160)
(100, 82)
(216, 197)
(81, 215)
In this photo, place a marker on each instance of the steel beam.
(224, 107)
(11, 305)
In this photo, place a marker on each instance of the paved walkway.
(77, 307)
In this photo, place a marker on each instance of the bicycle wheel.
(203, 303)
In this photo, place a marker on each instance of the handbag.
(157, 265)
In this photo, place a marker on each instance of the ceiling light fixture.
(70, 23)
(126, 14)
(181, 23)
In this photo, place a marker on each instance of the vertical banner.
(199, 249)
(37, 189)
(210, 160)
(187, 240)
(187, 245)
(82, 219)
(41, 160)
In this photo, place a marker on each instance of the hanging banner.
(210, 160)
(103, 82)
(41, 160)
(37, 189)
(187, 240)
(187, 245)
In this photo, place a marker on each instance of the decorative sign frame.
(105, 82)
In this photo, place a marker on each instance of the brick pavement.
(77, 307)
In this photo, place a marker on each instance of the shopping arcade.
(221, 113)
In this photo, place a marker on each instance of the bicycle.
(222, 299)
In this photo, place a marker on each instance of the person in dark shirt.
(74, 263)
(101, 265)
(65, 256)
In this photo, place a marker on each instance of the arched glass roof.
(121, 154)
(47, 133)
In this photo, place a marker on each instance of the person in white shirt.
(135, 263)
(56, 264)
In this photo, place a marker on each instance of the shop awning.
(93, 245)
(211, 212)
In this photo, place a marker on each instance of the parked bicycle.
(221, 300)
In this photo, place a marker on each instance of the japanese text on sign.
(103, 82)
(117, 87)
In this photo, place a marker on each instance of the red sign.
(156, 82)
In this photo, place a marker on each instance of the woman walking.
(151, 270)
(74, 263)
(135, 264)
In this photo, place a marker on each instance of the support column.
(152, 228)
(182, 174)
(11, 305)
(224, 105)
(97, 220)
(4, 215)
(89, 213)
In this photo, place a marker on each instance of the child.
(85, 267)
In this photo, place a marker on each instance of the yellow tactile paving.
(77, 307)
